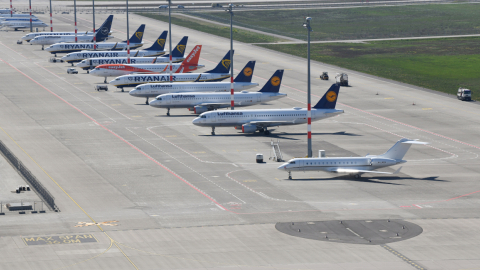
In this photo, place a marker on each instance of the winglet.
(397, 171)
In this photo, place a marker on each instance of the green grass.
(238, 34)
(438, 64)
(362, 23)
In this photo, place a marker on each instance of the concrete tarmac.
(140, 190)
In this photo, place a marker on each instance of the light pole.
(306, 24)
(30, 4)
(75, 12)
(128, 38)
(94, 34)
(51, 23)
(232, 96)
(11, 9)
(170, 37)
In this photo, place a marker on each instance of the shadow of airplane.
(373, 180)
(282, 135)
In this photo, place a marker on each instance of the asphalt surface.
(139, 190)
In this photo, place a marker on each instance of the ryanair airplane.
(249, 121)
(135, 42)
(219, 73)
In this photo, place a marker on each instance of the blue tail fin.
(179, 50)
(138, 35)
(102, 33)
(159, 44)
(223, 66)
(329, 100)
(273, 85)
(247, 73)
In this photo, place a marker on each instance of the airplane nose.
(155, 103)
(283, 166)
(196, 121)
(134, 93)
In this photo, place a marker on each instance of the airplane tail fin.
(273, 85)
(191, 62)
(246, 74)
(223, 66)
(102, 33)
(138, 35)
(179, 50)
(159, 44)
(400, 148)
(329, 100)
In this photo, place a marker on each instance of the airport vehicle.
(31, 36)
(464, 94)
(243, 81)
(22, 24)
(135, 42)
(324, 76)
(101, 35)
(19, 41)
(101, 87)
(157, 48)
(72, 71)
(355, 166)
(202, 102)
(114, 70)
(342, 79)
(249, 121)
(219, 73)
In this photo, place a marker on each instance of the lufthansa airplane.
(31, 36)
(202, 102)
(243, 81)
(89, 60)
(115, 70)
(101, 35)
(249, 121)
(135, 42)
(219, 73)
(355, 166)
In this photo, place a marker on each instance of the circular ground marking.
(367, 232)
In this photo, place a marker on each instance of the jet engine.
(200, 109)
(249, 128)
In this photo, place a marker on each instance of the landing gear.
(290, 175)
(105, 81)
(42, 47)
(146, 102)
(88, 71)
(168, 112)
(72, 64)
(55, 54)
(266, 132)
(213, 130)
(357, 176)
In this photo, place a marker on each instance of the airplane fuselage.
(331, 164)
(76, 47)
(155, 89)
(134, 80)
(91, 63)
(115, 70)
(34, 35)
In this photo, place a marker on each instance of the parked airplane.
(5, 16)
(91, 59)
(219, 73)
(243, 81)
(202, 102)
(15, 24)
(101, 35)
(260, 119)
(135, 42)
(355, 166)
(138, 57)
(115, 70)
(31, 36)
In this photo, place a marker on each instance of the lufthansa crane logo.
(226, 63)
(331, 96)
(275, 81)
(181, 48)
(104, 30)
(139, 35)
(161, 42)
(247, 72)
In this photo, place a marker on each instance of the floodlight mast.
(306, 24)
(232, 96)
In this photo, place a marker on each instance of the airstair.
(275, 153)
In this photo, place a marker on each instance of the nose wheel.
(168, 112)
(213, 130)
(290, 176)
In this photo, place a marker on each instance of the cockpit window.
(159, 98)
(291, 162)
(203, 116)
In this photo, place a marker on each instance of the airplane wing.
(343, 170)
(271, 123)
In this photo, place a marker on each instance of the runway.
(156, 192)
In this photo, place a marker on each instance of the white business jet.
(355, 166)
